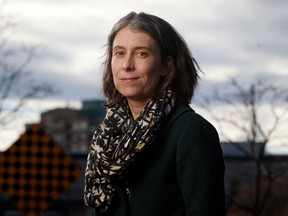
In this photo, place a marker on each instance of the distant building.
(240, 176)
(239, 149)
(73, 128)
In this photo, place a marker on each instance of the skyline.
(246, 39)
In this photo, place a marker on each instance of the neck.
(136, 107)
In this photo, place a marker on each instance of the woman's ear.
(168, 65)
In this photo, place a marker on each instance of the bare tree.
(257, 113)
(17, 85)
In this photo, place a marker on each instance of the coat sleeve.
(200, 169)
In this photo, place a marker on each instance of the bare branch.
(17, 85)
(257, 112)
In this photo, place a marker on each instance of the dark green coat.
(180, 174)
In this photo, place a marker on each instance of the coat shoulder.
(183, 116)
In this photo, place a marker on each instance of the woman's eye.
(142, 54)
(118, 53)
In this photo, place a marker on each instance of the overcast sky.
(244, 39)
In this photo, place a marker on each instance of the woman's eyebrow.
(143, 47)
(135, 48)
(118, 47)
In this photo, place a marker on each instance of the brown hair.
(183, 74)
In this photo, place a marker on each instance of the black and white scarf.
(116, 144)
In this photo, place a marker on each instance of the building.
(241, 180)
(73, 128)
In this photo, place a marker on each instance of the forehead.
(133, 37)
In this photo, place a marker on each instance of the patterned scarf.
(116, 144)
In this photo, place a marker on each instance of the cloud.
(227, 38)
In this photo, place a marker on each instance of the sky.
(244, 39)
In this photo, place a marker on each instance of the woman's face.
(136, 65)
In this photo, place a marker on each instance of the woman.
(152, 155)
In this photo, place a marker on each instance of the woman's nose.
(128, 65)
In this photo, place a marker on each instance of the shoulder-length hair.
(183, 74)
